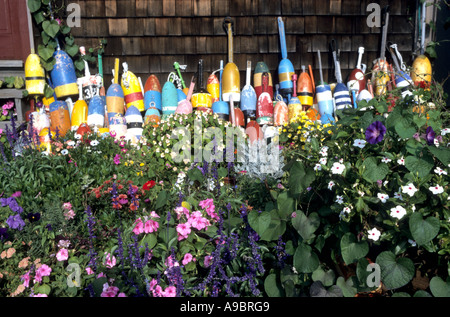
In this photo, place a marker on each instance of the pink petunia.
(151, 226)
(170, 291)
(62, 255)
(89, 271)
(183, 229)
(139, 227)
(110, 260)
(26, 278)
(187, 258)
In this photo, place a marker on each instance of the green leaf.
(423, 230)
(395, 273)
(285, 204)
(259, 221)
(43, 289)
(45, 52)
(34, 5)
(373, 171)
(161, 200)
(195, 175)
(305, 259)
(72, 50)
(404, 128)
(439, 288)
(272, 286)
(51, 28)
(326, 277)
(306, 226)
(441, 153)
(420, 166)
(300, 178)
(276, 228)
(351, 249)
(347, 286)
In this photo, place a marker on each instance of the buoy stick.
(320, 68)
(116, 71)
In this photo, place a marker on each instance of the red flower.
(149, 185)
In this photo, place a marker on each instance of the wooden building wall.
(150, 35)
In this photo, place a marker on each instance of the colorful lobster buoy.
(185, 106)
(260, 69)
(201, 99)
(231, 81)
(323, 95)
(280, 113)
(117, 125)
(254, 132)
(34, 75)
(90, 84)
(63, 75)
(341, 94)
(221, 108)
(79, 112)
(96, 112)
(152, 95)
(305, 90)
(132, 90)
(152, 117)
(83, 130)
(285, 68)
(45, 137)
(213, 87)
(115, 99)
(169, 98)
(294, 105)
(421, 72)
(59, 117)
(134, 122)
(357, 80)
(248, 96)
(264, 107)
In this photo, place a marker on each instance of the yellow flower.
(142, 164)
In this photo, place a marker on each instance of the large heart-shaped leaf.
(34, 5)
(272, 286)
(277, 227)
(326, 277)
(259, 221)
(423, 230)
(285, 204)
(419, 166)
(352, 250)
(373, 171)
(300, 178)
(306, 226)
(305, 259)
(51, 28)
(395, 273)
(439, 288)
(405, 128)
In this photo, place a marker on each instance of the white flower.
(339, 199)
(77, 136)
(71, 143)
(382, 197)
(445, 131)
(359, 143)
(324, 151)
(346, 210)
(437, 189)
(412, 242)
(440, 171)
(318, 167)
(401, 161)
(409, 189)
(337, 168)
(398, 212)
(386, 160)
(330, 185)
(323, 161)
(94, 143)
(374, 234)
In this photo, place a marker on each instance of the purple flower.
(429, 135)
(375, 132)
(15, 222)
(3, 233)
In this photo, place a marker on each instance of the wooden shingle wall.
(150, 35)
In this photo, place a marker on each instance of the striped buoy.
(79, 112)
(134, 121)
(342, 97)
(96, 112)
(152, 117)
(264, 107)
(294, 105)
(259, 70)
(221, 108)
(63, 75)
(34, 75)
(305, 90)
(285, 67)
(117, 125)
(152, 94)
(132, 89)
(323, 94)
(115, 99)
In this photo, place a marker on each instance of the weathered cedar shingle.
(118, 27)
(291, 7)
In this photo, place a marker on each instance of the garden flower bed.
(99, 216)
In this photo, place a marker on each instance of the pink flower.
(40, 295)
(121, 294)
(208, 260)
(153, 214)
(187, 258)
(26, 278)
(170, 262)
(69, 214)
(183, 229)
(117, 159)
(4, 112)
(197, 221)
(44, 270)
(157, 291)
(62, 255)
(206, 203)
(181, 211)
(110, 261)
(67, 206)
(139, 227)
(170, 291)
(151, 226)
(89, 271)
(109, 291)
(152, 284)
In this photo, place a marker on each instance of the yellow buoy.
(34, 75)
(421, 71)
